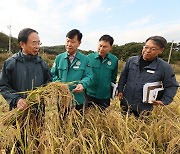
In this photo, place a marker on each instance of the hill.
(4, 43)
(123, 52)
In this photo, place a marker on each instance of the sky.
(125, 20)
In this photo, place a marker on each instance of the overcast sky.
(125, 20)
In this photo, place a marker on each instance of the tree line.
(123, 52)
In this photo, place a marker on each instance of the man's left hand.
(79, 88)
(158, 103)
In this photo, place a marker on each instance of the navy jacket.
(131, 82)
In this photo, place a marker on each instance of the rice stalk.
(53, 93)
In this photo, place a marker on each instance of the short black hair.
(73, 33)
(24, 33)
(107, 38)
(158, 40)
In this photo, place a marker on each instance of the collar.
(98, 56)
(28, 57)
(71, 55)
(76, 55)
(21, 57)
(153, 65)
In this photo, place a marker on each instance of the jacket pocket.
(78, 69)
(76, 72)
(62, 72)
(133, 72)
(94, 65)
(109, 67)
(151, 77)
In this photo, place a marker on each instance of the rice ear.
(54, 93)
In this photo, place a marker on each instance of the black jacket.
(21, 73)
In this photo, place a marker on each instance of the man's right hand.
(21, 104)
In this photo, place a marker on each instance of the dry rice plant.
(94, 131)
(53, 93)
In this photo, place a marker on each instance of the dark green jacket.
(78, 72)
(103, 74)
(21, 73)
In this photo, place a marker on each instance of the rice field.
(178, 78)
(92, 131)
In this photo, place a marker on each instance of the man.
(146, 68)
(71, 66)
(104, 67)
(24, 71)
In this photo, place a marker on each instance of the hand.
(157, 103)
(120, 95)
(21, 104)
(79, 88)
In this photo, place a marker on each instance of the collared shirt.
(71, 57)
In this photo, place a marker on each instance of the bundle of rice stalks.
(54, 93)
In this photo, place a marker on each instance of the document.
(151, 91)
(114, 87)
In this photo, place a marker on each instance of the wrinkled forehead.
(151, 43)
(33, 37)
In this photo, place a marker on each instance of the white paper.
(114, 89)
(149, 93)
(153, 94)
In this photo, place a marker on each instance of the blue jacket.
(78, 72)
(131, 82)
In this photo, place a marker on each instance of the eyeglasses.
(35, 43)
(150, 48)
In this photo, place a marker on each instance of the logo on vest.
(109, 62)
(78, 63)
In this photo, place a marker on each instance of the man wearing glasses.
(143, 69)
(24, 71)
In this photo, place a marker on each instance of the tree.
(4, 43)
